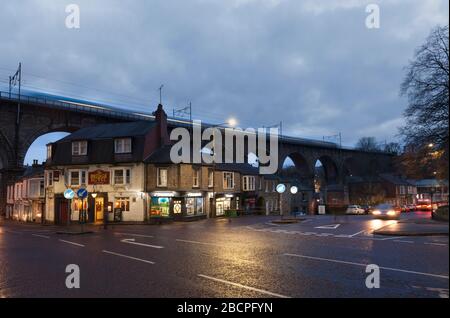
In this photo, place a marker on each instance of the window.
(260, 181)
(49, 151)
(228, 180)
(210, 178)
(194, 206)
(267, 186)
(123, 203)
(402, 189)
(196, 178)
(79, 148)
(122, 145)
(122, 176)
(248, 183)
(77, 177)
(161, 177)
(41, 188)
(49, 178)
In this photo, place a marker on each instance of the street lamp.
(232, 122)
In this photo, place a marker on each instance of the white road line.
(196, 242)
(360, 264)
(132, 241)
(352, 235)
(391, 238)
(262, 291)
(133, 234)
(40, 235)
(73, 243)
(130, 257)
(437, 244)
(402, 241)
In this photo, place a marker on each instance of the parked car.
(367, 208)
(355, 209)
(386, 211)
(411, 207)
(405, 208)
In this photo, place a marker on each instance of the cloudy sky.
(312, 64)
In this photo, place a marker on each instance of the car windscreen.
(384, 206)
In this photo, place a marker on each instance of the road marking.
(196, 242)
(402, 241)
(352, 235)
(391, 238)
(40, 235)
(360, 264)
(132, 234)
(329, 227)
(130, 257)
(73, 243)
(262, 291)
(132, 241)
(437, 244)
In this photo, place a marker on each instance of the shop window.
(123, 204)
(194, 206)
(177, 207)
(79, 148)
(228, 180)
(122, 145)
(161, 177)
(160, 207)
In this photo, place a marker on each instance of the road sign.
(281, 188)
(82, 193)
(69, 194)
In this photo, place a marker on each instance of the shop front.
(227, 202)
(177, 205)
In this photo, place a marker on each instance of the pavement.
(321, 256)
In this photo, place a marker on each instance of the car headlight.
(376, 212)
(391, 212)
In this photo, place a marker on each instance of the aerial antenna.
(160, 93)
(183, 111)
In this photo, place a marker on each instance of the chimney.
(35, 162)
(161, 125)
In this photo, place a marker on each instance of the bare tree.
(367, 144)
(426, 86)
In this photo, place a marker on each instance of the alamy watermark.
(236, 143)
(73, 17)
(373, 19)
(373, 279)
(73, 279)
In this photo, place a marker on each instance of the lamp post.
(231, 123)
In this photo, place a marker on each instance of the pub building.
(107, 161)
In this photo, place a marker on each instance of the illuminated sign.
(99, 177)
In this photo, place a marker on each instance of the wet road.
(244, 257)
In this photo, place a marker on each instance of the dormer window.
(122, 145)
(79, 148)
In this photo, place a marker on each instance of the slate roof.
(115, 130)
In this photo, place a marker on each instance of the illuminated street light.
(431, 145)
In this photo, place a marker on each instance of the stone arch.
(30, 138)
(331, 172)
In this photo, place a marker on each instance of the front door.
(99, 208)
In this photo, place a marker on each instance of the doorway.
(99, 208)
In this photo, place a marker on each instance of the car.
(367, 208)
(355, 209)
(411, 207)
(386, 211)
(404, 208)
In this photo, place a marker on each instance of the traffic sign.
(82, 193)
(69, 194)
(281, 188)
